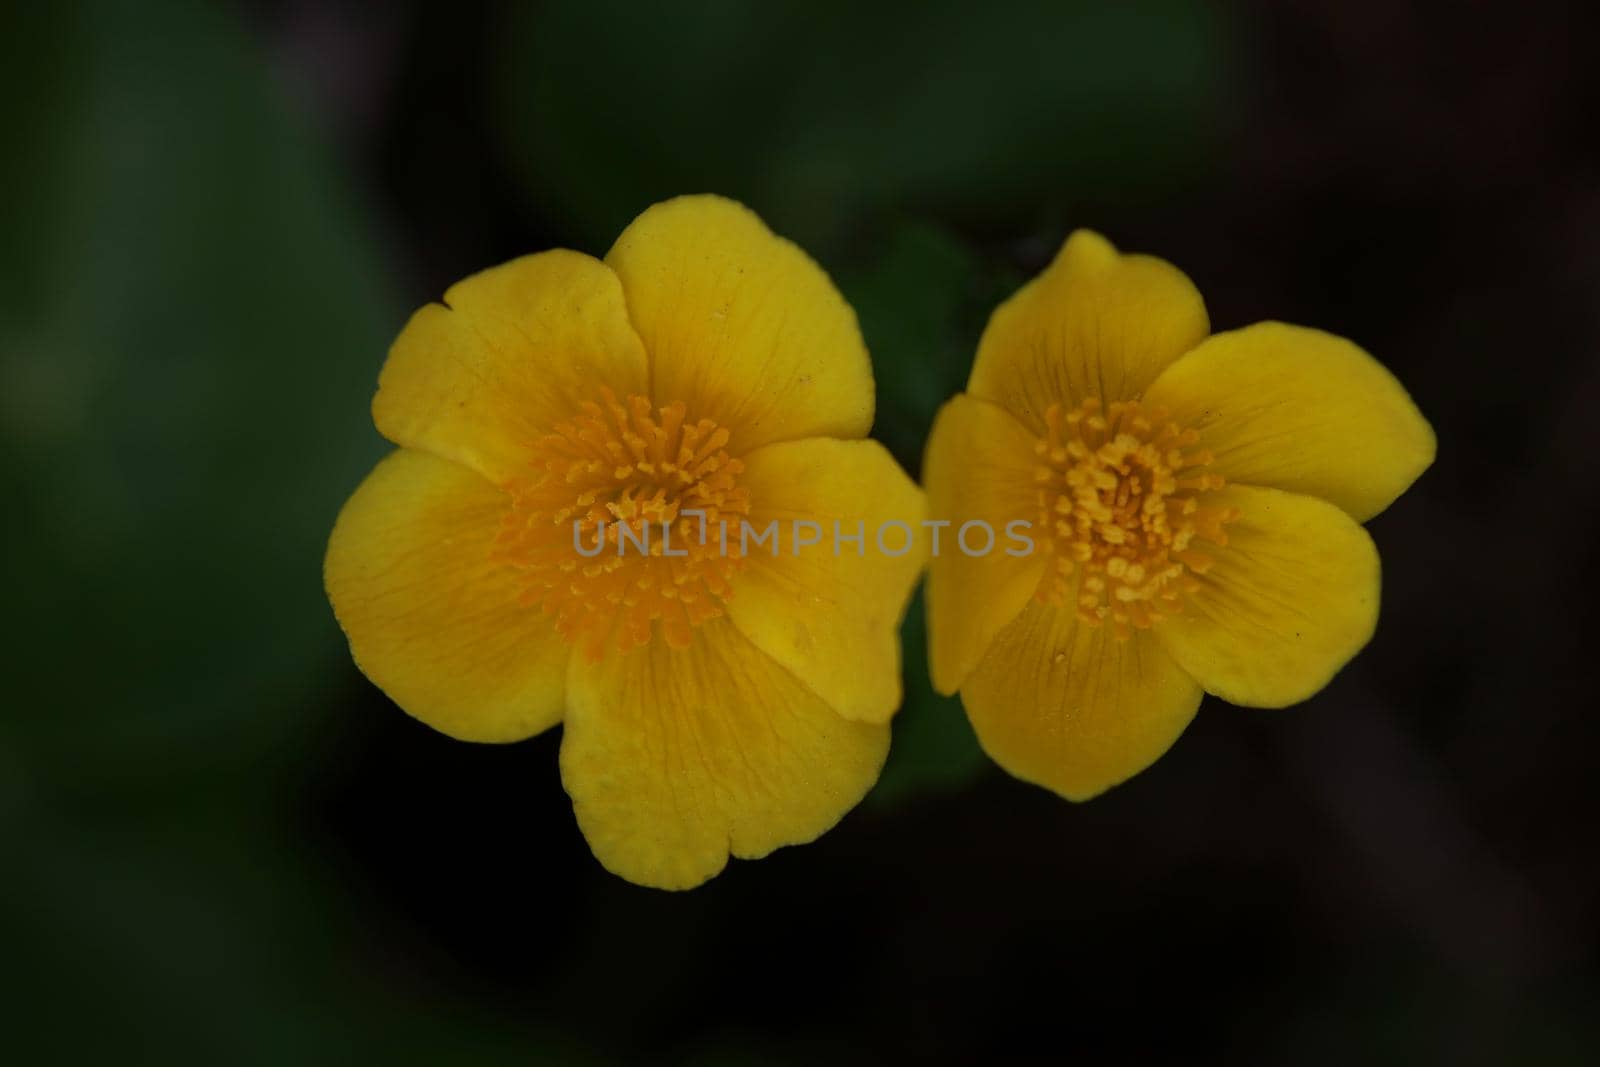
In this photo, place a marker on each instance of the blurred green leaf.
(189, 336)
(922, 302)
(190, 331)
(818, 114)
(934, 747)
(910, 301)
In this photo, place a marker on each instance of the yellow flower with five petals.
(1193, 504)
(717, 696)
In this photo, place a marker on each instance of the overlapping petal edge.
(772, 722)
(1311, 437)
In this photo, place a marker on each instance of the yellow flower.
(1194, 505)
(715, 699)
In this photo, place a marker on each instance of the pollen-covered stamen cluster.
(1122, 494)
(630, 469)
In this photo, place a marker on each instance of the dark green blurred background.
(222, 845)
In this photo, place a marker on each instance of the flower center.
(1122, 495)
(601, 535)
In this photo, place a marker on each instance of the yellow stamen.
(1123, 494)
(636, 469)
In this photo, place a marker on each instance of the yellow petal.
(676, 757)
(741, 325)
(430, 620)
(1299, 409)
(978, 468)
(831, 613)
(1287, 602)
(520, 347)
(1070, 707)
(1095, 324)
